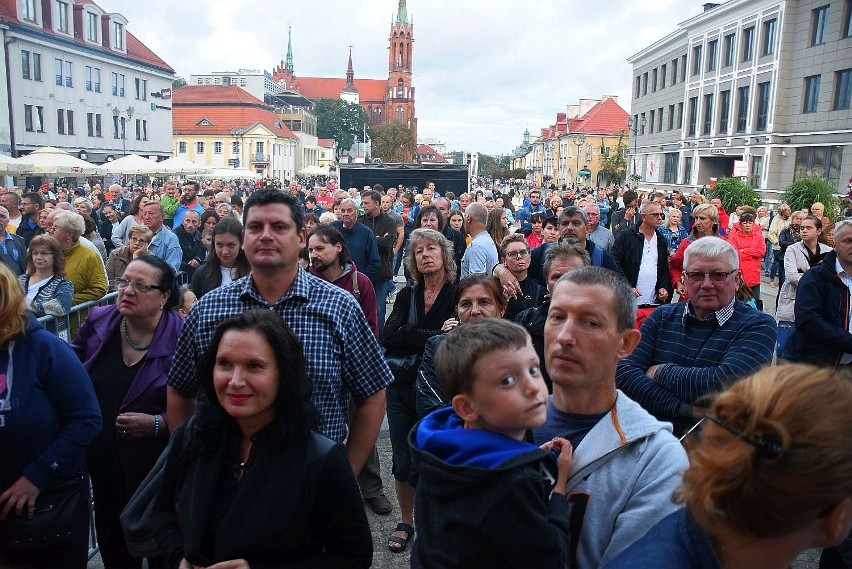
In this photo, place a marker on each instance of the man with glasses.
(165, 243)
(642, 254)
(698, 347)
(13, 252)
(602, 236)
(31, 204)
(524, 214)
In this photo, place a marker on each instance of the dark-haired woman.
(227, 262)
(208, 220)
(127, 348)
(121, 234)
(247, 481)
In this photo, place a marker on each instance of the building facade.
(224, 126)
(80, 81)
(762, 86)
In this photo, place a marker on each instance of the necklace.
(131, 342)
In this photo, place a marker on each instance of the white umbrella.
(245, 173)
(178, 165)
(311, 170)
(131, 164)
(11, 166)
(51, 160)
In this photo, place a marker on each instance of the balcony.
(260, 159)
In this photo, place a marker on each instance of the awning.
(584, 173)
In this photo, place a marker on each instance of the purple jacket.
(147, 393)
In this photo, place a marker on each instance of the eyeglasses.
(135, 240)
(123, 283)
(699, 276)
(42, 253)
(658, 214)
(517, 254)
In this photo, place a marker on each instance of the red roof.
(315, 88)
(326, 142)
(424, 152)
(136, 50)
(606, 117)
(222, 109)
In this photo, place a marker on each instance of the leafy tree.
(804, 192)
(178, 83)
(614, 166)
(341, 120)
(504, 162)
(488, 167)
(515, 174)
(733, 192)
(392, 142)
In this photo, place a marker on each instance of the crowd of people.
(538, 365)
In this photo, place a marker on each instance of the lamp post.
(634, 125)
(579, 140)
(237, 132)
(116, 112)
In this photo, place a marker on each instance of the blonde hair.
(423, 235)
(13, 310)
(775, 454)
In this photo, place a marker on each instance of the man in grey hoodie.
(626, 462)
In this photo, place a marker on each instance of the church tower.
(400, 95)
(284, 72)
(349, 93)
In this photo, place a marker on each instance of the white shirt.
(33, 289)
(847, 280)
(647, 280)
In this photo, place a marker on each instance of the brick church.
(383, 100)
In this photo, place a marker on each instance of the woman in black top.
(515, 254)
(227, 262)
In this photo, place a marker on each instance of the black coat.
(627, 251)
(459, 246)
(191, 247)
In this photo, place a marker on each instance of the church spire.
(350, 73)
(289, 61)
(402, 13)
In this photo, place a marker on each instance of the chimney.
(573, 111)
(709, 6)
(613, 98)
(586, 105)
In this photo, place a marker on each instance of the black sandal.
(402, 542)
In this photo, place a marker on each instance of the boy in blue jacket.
(485, 497)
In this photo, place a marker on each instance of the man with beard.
(190, 242)
(188, 201)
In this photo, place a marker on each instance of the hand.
(449, 324)
(680, 288)
(511, 287)
(629, 213)
(184, 564)
(193, 263)
(637, 292)
(230, 564)
(651, 371)
(21, 496)
(699, 412)
(134, 426)
(662, 294)
(564, 460)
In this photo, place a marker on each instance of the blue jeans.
(784, 330)
(769, 258)
(383, 289)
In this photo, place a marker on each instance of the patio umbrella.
(51, 160)
(11, 166)
(131, 164)
(178, 165)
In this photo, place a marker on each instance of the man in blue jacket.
(360, 240)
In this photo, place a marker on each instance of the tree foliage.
(733, 193)
(488, 167)
(393, 142)
(514, 174)
(614, 166)
(178, 82)
(804, 192)
(341, 120)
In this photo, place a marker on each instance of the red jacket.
(366, 296)
(751, 248)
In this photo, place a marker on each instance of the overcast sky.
(484, 70)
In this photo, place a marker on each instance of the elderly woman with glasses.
(751, 248)
(127, 348)
(140, 238)
(515, 254)
(45, 286)
(83, 265)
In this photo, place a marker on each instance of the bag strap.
(412, 309)
(355, 292)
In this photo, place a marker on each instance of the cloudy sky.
(484, 70)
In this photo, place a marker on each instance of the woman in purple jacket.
(127, 350)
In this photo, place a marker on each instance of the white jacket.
(795, 265)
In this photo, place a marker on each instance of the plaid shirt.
(343, 356)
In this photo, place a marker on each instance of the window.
(847, 20)
(696, 60)
(769, 28)
(98, 131)
(818, 24)
(120, 85)
(137, 84)
(138, 129)
(680, 115)
(674, 71)
(68, 82)
(28, 118)
(811, 94)
(118, 36)
(144, 129)
(115, 84)
(60, 121)
(141, 88)
(37, 66)
(88, 78)
(96, 78)
(115, 127)
(762, 106)
(660, 119)
(654, 80)
(62, 17)
(824, 161)
(748, 44)
(235, 147)
(730, 49)
(742, 108)
(725, 111)
(645, 83)
(693, 114)
(25, 64)
(399, 114)
(69, 123)
(57, 69)
(181, 147)
(199, 148)
(123, 127)
(653, 117)
(642, 123)
(258, 148)
(91, 27)
(90, 124)
(683, 69)
(144, 89)
(708, 114)
(712, 54)
(29, 10)
(756, 171)
(217, 148)
(687, 170)
(662, 77)
(638, 87)
(39, 118)
(670, 172)
(842, 89)
(671, 116)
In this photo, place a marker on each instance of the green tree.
(393, 142)
(614, 166)
(516, 174)
(178, 83)
(488, 167)
(341, 120)
(804, 192)
(733, 192)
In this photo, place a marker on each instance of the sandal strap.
(406, 528)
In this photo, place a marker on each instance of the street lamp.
(116, 112)
(579, 140)
(237, 132)
(634, 125)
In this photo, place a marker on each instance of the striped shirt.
(343, 357)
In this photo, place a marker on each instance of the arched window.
(377, 115)
(400, 115)
(400, 89)
(399, 55)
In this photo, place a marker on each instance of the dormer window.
(118, 36)
(28, 10)
(91, 27)
(62, 17)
